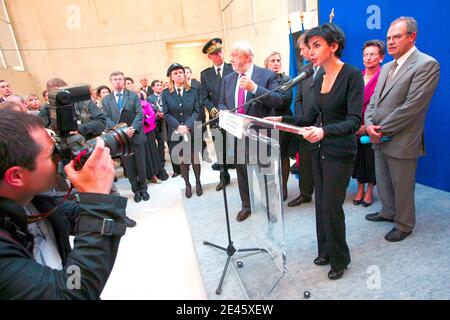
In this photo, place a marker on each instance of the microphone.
(366, 139)
(305, 74)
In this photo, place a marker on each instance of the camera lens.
(116, 140)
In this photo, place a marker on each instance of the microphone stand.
(230, 249)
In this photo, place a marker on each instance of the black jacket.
(94, 253)
(337, 112)
(181, 111)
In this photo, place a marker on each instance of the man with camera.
(28, 168)
(122, 105)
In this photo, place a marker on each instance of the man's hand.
(213, 113)
(373, 133)
(130, 132)
(160, 115)
(97, 174)
(274, 119)
(361, 131)
(313, 134)
(247, 84)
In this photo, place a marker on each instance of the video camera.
(63, 121)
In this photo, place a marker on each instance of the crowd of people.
(336, 106)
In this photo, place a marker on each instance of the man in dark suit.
(144, 86)
(122, 105)
(248, 82)
(211, 80)
(397, 110)
(303, 101)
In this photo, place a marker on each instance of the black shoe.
(366, 204)
(174, 175)
(243, 214)
(396, 235)
(137, 197)
(298, 201)
(375, 217)
(220, 185)
(162, 175)
(335, 274)
(130, 223)
(145, 195)
(319, 261)
(216, 166)
(198, 189)
(188, 192)
(357, 202)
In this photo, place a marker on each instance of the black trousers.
(160, 141)
(306, 182)
(331, 179)
(134, 166)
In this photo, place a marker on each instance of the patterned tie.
(390, 74)
(392, 71)
(119, 101)
(219, 75)
(241, 97)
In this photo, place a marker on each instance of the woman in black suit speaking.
(333, 120)
(181, 109)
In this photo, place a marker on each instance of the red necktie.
(241, 97)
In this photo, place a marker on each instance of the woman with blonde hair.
(181, 109)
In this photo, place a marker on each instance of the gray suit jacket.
(400, 109)
(131, 113)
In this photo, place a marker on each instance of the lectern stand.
(264, 264)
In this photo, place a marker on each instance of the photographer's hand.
(97, 174)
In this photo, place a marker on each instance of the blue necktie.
(119, 101)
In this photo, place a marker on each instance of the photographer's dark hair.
(331, 33)
(17, 146)
(376, 43)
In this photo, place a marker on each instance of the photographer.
(28, 168)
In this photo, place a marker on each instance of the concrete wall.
(84, 40)
(21, 83)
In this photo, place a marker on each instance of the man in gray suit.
(397, 110)
(122, 105)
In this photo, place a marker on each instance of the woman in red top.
(364, 172)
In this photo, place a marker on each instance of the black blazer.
(305, 92)
(266, 80)
(131, 113)
(285, 108)
(181, 111)
(337, 112)
(211, 84)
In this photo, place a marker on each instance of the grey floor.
(416, 268)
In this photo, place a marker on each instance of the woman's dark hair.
(100, 88)
(17, 146)
(376, 43)
(331, 33)
(128, 78)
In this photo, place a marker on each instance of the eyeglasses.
(397, 37)
(367, 55)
